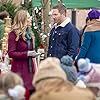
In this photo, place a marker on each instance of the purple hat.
(94, 14)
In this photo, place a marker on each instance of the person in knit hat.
(48, 69)
(67, 65)
(89, 73)
(91, 38)
(84, 65)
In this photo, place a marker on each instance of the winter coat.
(64, 40)
(94, 75)
(60, 91)
(17, 50)
(91, 43)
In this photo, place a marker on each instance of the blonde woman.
(21, 48)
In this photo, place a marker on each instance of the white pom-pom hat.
(84, 65)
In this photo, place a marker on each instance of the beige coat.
(93, 25)
(57, 89)
(76, 94)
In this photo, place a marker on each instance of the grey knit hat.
(49, 68)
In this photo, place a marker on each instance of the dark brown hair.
(61, 8)
(3, 15)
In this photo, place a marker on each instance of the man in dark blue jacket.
(64, 36)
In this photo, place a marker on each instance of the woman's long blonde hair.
(20, 23)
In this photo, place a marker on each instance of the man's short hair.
(61, 8)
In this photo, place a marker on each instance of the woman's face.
(29, 20)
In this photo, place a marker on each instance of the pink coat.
(94, 75)
(17, 50)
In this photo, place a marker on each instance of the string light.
(22, 1)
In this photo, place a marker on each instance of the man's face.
(56, 16)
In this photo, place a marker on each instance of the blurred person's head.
(84, 65)
(3, 14)
(48, 69)
(59, 13)
(9, 80)
(67, 60)
(22, 21)
(67, 64)
(12, 84)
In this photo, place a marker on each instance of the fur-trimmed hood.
(94, 25)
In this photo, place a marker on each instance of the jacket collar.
(65, 22)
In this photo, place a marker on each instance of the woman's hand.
(32, 54)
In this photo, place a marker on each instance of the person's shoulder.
(12, 33)
(72, 26)
(89, 28)
(93, 27)
(69, 26)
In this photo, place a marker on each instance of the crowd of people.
(71, 69)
